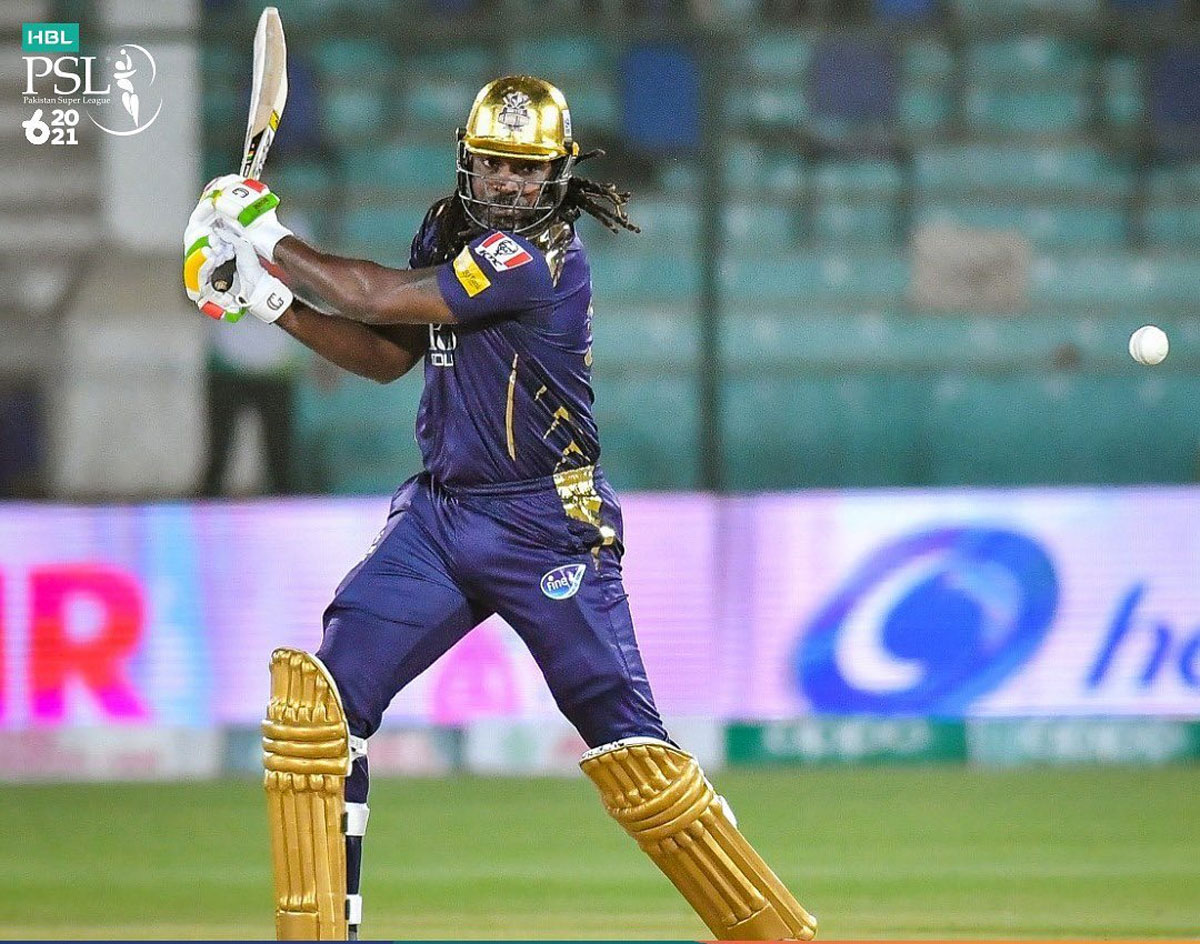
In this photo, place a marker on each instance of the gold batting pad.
(306, 753)
(663, 800)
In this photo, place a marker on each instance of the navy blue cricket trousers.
(448, 559)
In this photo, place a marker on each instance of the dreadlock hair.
(603, 201)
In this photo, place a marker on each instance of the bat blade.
(268, 95)
(268, 92)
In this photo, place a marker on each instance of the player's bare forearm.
(378, 353)
(361, 290)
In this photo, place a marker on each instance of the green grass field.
(875, 853)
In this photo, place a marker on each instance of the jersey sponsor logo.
(503, 252)
(470, 276)
(442, 342)
(563, 582)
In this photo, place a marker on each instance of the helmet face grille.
(494, 202)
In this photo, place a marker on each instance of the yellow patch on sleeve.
(470, 276)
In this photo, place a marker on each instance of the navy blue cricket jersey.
(508, 393)
(507, 404)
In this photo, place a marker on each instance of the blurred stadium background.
(913, 542)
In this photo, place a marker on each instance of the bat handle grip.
(222, 277)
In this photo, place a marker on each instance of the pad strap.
(663, 800)
(357, 815)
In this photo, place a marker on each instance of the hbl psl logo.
(133, 73)
(57, 74)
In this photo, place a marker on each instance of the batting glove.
(210, 250)
(254, 289)
(199, 223)
(250, 207)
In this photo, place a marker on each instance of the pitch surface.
(933, 852)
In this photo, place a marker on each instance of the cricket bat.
(268, 95)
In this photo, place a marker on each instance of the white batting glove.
(212, 249)
(199, 223)
(196, 249)
(249, 206)
(203, 252)
(254, 288)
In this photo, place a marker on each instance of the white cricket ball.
(1148, 345)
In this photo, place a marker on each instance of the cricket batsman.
(511, 514)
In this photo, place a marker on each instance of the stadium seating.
(357, 437)
(870, 179)
(991, 110)
(925, 109)
(1124, 93)
(764, 226)
(1076, 172)
(634, 273)
(436, 102)
(798, 279)
(598, 104)
(468, 62)
(1175, 103)
(822, 430)
(653, 339)
(354, 114)
(401, 167)
(667, 223)
(1066, 228)
(908, 11)
(1118, 280)
(343, 60)
(1032, 59)
(926, 59)
(381, 232)
(660, 98)
(782, 56)
(1173, 227)
(1070, 122)
(558, 57)
(853, 84)
(982, 13)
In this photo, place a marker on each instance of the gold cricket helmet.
(520, 118)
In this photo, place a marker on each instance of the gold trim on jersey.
(508, 410)
(561, 415)
(577, 492)
(553, 242)
(570, 450)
